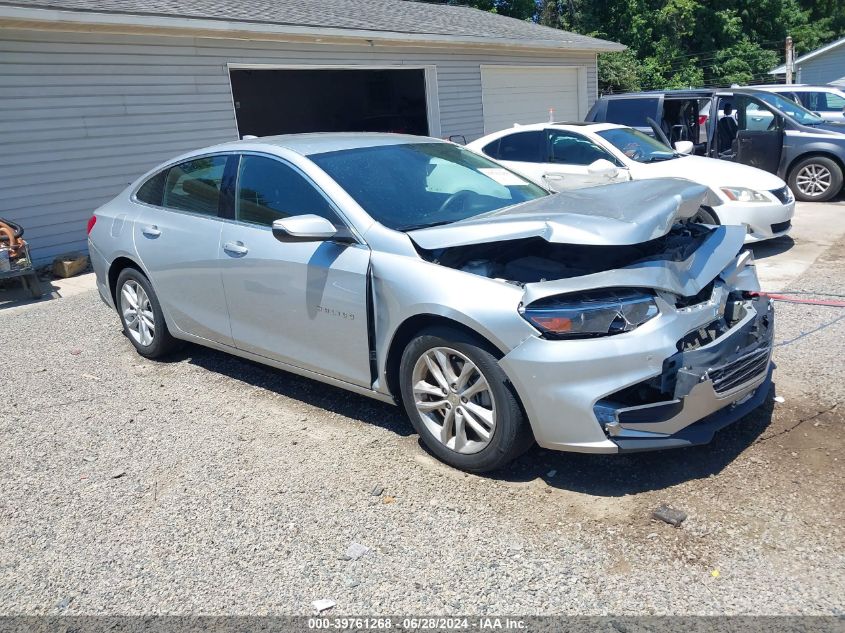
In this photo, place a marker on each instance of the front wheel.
(815, 179)
(705, 216)
(461, 402)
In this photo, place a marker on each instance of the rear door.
(177, 235)
(301, 303)
(524, 152)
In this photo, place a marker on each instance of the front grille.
(780, 227)
(783, 194)
(740, 371)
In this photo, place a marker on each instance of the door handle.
(151, 231)
(236, 249)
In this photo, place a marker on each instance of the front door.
(568, 164)
(301, 303)
(177, 236)
(760, 132)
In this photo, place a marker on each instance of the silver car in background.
(415, 271)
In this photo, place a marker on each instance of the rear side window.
(631, 112)
(152, 191)
(270, 190)
(522, 146)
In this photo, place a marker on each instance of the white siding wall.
(827, 68)
(82, 115)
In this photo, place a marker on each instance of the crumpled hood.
(619, 214)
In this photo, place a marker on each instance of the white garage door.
(524, 94)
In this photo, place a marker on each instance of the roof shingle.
(387, 16)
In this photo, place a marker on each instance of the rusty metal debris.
(15, 261)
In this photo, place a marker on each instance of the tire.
(462, 444)
(705, 216)
(157, 342)
(815, 179)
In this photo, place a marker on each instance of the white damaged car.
(575, 155)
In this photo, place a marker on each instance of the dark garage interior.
(271, 102)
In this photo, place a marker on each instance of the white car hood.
(713, 172)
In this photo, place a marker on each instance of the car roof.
(322, 142)
(798, 87)
(575, 126)
(691, 93)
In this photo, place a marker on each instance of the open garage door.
(524, 94)
(287, 101)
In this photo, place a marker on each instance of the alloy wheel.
(454, 400)
(813, 180)
(137, 313)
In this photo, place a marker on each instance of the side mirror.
(603, 167)
(684, 147)
(303, 228)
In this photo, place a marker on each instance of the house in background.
(825, 65)
(96, 92)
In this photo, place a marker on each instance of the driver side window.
(270, 190)
(753, 115)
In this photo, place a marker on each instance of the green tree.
(681, 43)
(619, 72)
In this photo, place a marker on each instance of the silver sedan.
(417, 272)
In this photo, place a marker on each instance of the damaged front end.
(649, 339)
(720, 372)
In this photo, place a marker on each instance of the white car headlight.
(743, 194)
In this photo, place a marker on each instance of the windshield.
(416, 185)
(790, 108)
(637, 146)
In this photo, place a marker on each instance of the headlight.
(592, 313)
(742, 194)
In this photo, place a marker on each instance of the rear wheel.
(461, 402)
(815, 179)
(141, 315)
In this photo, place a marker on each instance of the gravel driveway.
(212, 485)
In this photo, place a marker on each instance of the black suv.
(753, 127)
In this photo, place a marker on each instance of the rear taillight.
(702, 119)
(91, 222)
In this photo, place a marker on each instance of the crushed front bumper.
(710, 387)
(578, 394)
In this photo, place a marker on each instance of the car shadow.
(305, 390)
(772, 247)
(618, 475)
(594, 474)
